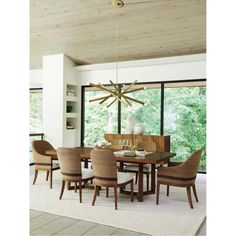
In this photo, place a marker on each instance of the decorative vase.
(129, 125)
(138, 128)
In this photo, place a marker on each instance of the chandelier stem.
(117, 44)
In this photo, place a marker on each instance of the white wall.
(70, 137)
(58, 71)
(53, 101)
(36, 78)
(162, 69)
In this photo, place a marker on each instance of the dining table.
(152, 159)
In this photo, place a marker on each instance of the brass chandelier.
(118, 92)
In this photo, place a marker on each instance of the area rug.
(172, 216)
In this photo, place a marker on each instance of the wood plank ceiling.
(85, 29)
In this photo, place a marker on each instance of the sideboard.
(162, 142)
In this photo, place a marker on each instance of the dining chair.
(43, 161)
(181, 174)
(71, 170)
(106, 174)
(148, 146)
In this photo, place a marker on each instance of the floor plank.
(79, 228)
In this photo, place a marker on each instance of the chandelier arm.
(99, 98)
(108, 90)
(126, 89)
(127, 100)
(117, 89)
(133, 90)
(133, 99)
(112, 102)
(104, 88)
(105, 99)
(119, 98)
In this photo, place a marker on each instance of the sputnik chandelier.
(118, 92)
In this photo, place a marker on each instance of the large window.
(173, 108)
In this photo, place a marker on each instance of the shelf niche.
(71, 123)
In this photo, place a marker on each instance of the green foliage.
(185, 121)
(148, 114)
(36, 116)
(98, 119)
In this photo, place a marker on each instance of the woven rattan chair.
(71, 171)
(42, 161)
(180, 175)
(106, 175)
(133, 168)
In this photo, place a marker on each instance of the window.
(35, 103)
(185, 120)
(183, 115)
(98, 120)
(147, 114)
(36, 116)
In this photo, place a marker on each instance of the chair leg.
(95, 194)
(147, 181)
(195, 192)
(62, 189)
(75, 187)
(35, 176)
(168, 190)
(47, 175)
(136, 178)
(157, 194)
(189, 197)
(107, 192)
(132, 190)
(51, 179)
(115, 194)
(80, 191)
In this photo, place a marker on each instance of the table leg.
(140, 183)
(85, 163)
(121, 167)
(121, 170)
(153, 177)
(68, 186)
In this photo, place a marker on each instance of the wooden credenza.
(162, 142)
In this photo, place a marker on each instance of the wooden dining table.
(152, 159)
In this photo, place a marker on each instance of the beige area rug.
(172, 216)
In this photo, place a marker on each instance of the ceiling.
(84, 30)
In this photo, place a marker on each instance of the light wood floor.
(43, 224)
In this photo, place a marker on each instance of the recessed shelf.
(71, 123)
(71, 90)
(71, 109)
(71, 98)
(71, 115)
